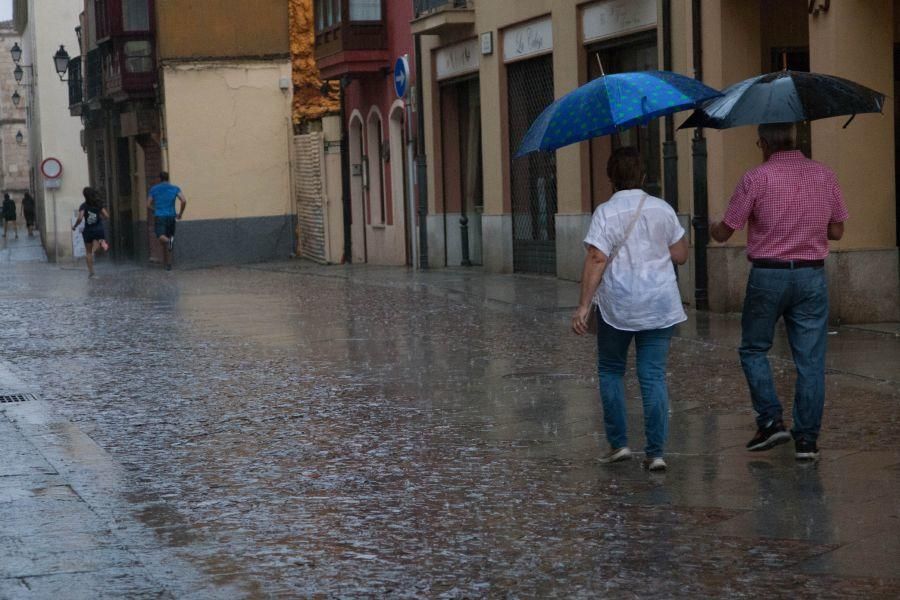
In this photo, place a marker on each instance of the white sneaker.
(616, 455)
(655, 464)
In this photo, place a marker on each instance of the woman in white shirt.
(629, 280)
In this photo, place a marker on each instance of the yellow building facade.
(507, 59)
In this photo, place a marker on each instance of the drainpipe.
(345, 174)
(421, 160)
(670, 147)
(701, 199)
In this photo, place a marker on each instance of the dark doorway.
(897, 138)
(532, 177)
(632, 53)
(795, 59)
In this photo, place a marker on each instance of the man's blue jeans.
(801, 297)
(652, 354)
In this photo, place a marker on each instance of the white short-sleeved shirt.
(639, 290)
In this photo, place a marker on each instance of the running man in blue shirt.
(161, 201)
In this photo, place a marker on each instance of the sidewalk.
(23, 250)
(870, 351)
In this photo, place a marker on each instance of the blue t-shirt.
(164, 195)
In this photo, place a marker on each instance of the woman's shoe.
(655, 465)
(616, 455)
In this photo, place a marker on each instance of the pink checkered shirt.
(787, 203)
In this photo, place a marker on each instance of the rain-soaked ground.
(290, 430)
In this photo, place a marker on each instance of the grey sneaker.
(171, 243)
(616, 455)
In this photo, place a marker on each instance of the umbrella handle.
(853, 116)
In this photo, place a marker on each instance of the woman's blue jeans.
(652, 354)
(801, 297)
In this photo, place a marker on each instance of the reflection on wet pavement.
(296, 433)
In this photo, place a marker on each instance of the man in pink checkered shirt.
(791, 206)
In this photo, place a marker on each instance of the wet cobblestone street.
(290, 430)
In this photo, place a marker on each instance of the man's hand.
(719, 231)
(178, 216)
(580, 319)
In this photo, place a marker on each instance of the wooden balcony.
(129, 68)
(351, 37)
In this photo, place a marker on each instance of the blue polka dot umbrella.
(613, 103)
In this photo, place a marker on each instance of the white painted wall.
(53, 132)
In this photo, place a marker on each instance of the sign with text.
(525, 41)
(617, 17)
(458, 59)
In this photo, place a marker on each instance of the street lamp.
(16, 98)
(18, 73)
(16, 53)
(61, 62)
(19, 137)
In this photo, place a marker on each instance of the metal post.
(55, 230)
(421, 160)
(700, 222)
(345, 175)
(701, 194)
(670, 147)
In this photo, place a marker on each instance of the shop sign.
(617, 17)
(456, 60)
(528, 40)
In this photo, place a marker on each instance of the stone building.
(202, 90)
(15, 176)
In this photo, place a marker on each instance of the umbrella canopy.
(612, 103)
(786, 97)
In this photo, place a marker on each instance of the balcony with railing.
(76, 86)
(351, 37)
(439, 17)
(129, 68)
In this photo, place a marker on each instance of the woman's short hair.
(777, 136)
(625, 168)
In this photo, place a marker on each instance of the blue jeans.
(652, 353)
(801, 297)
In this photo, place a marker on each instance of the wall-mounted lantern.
(16, 98)
(61, 62)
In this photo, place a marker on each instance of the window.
(135, 15)
(100, 19)
(365, 10)
(138, 57)
(327, 13)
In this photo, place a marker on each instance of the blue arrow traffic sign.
(401, 77)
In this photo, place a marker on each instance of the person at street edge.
(161, 201)
(791, 207)
(629, 283)
(9, 215)
(30, 212)
(92, 212)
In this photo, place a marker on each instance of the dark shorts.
(165, 226)
(93, 234)
(9, 216)
(29, 219)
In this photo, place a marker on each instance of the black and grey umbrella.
(786, 97)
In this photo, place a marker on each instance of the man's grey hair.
(777, 136)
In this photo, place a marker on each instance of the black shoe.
(806, 450)
(168, 267)
(768, 437)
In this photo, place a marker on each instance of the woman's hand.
(580, 319)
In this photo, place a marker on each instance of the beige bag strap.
(634, 220)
